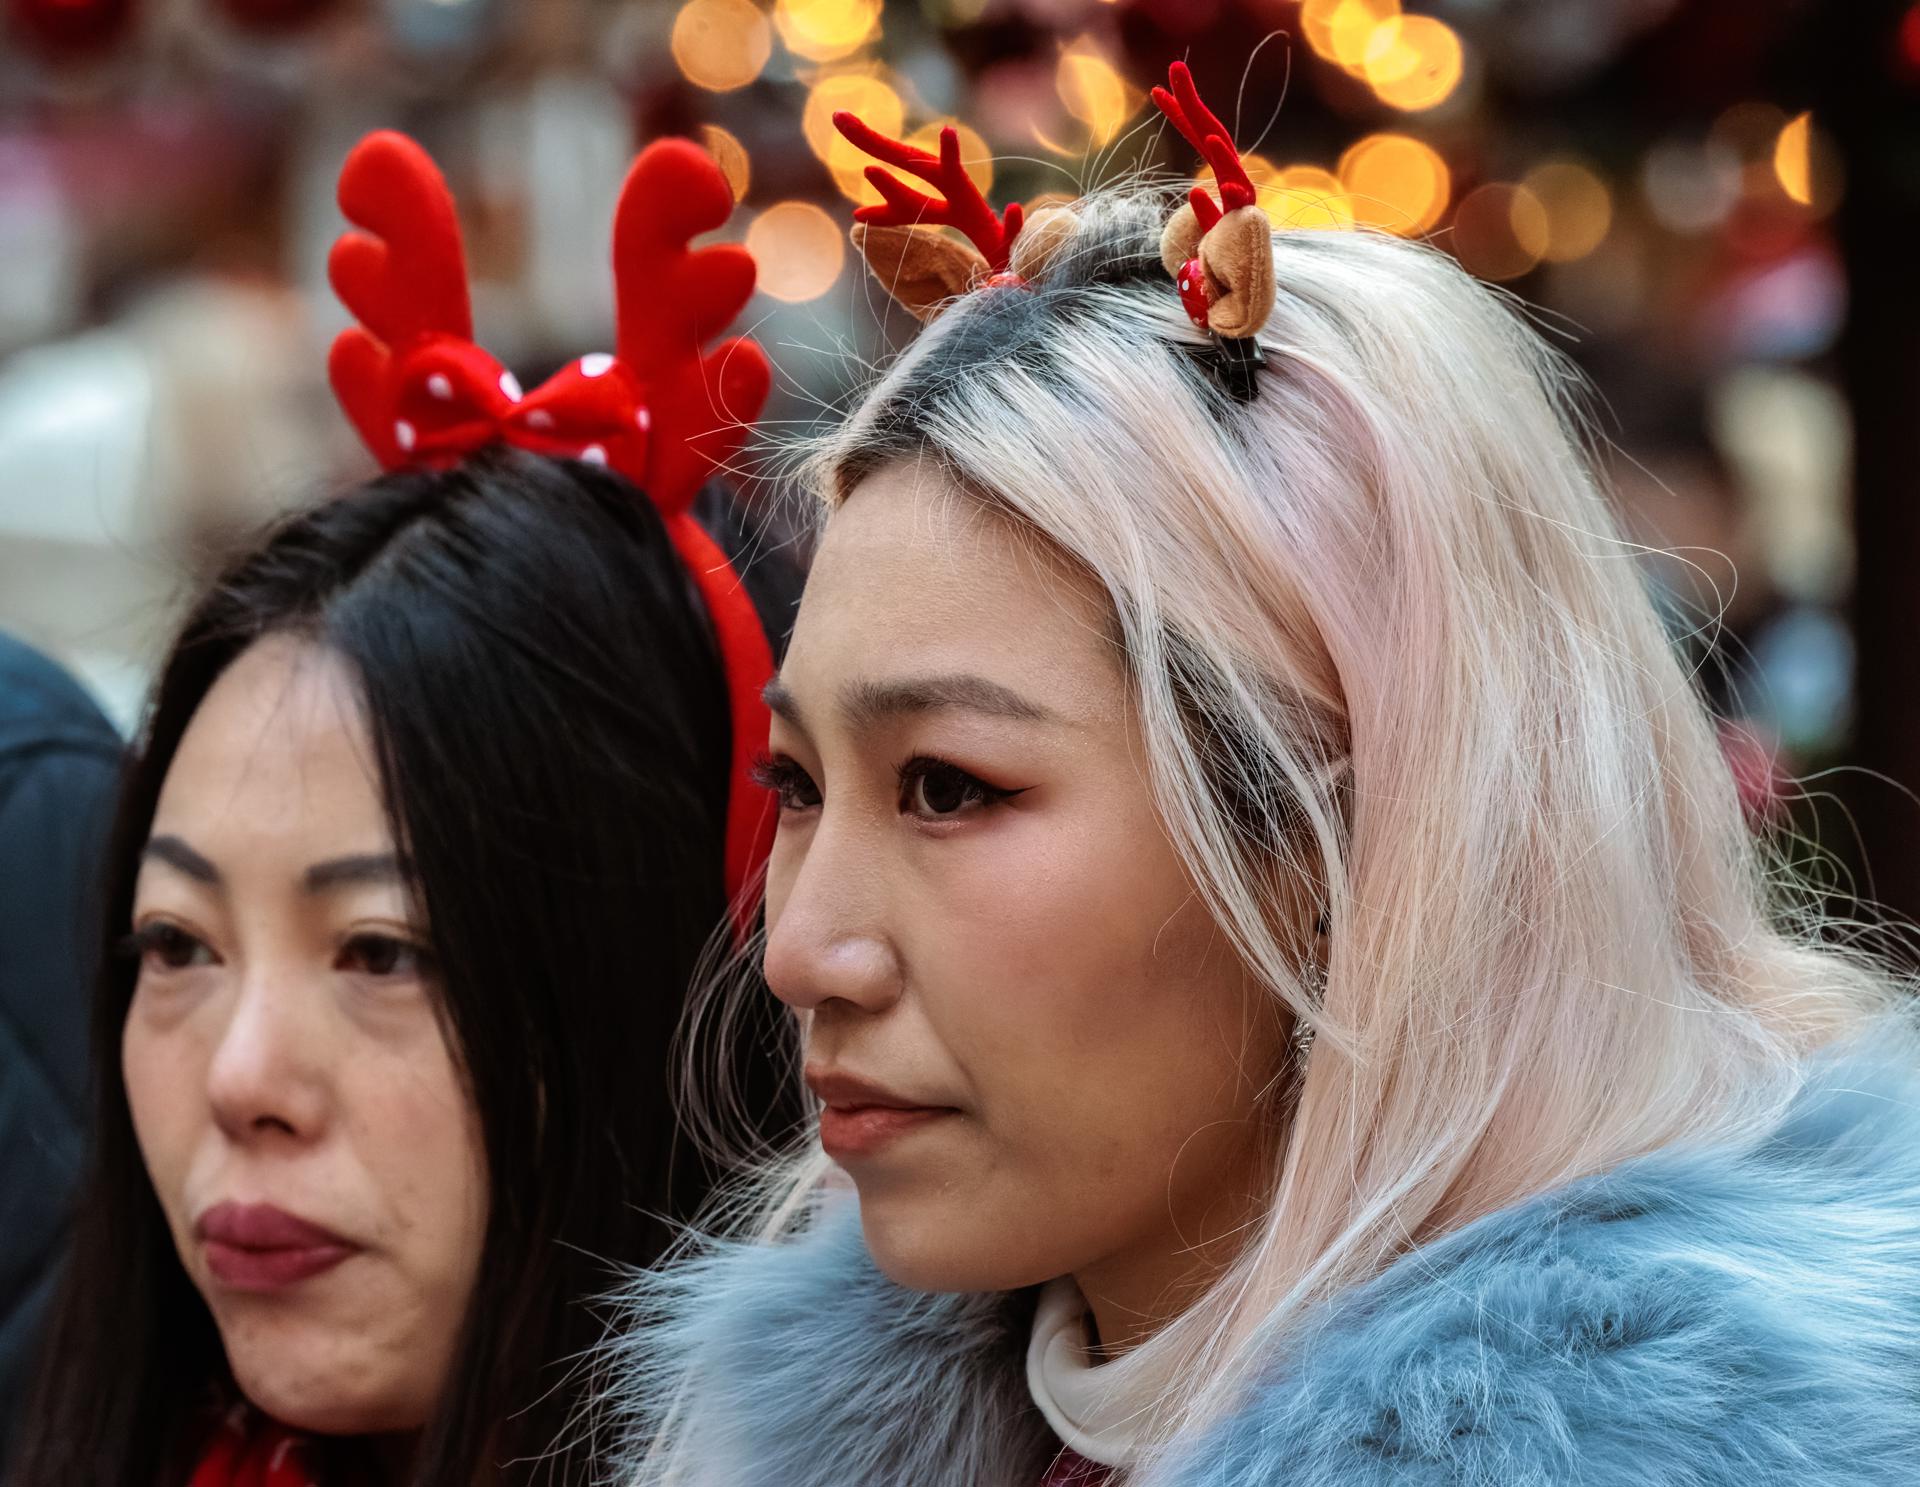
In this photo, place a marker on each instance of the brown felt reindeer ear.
(918, 265)
(1219, 253)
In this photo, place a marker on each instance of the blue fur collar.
(1736, 1318)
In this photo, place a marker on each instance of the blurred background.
(1711, 204)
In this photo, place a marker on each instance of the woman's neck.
(1135, 1292)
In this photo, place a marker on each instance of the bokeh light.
(1396, 182)
(1501, 231)
(1306, 196)
(797, 249)
(826, 30)
(1414, 62)
(1094, 91)
(864, 92)
(1340, 30)
(721, 45)
(730, 155)
(1690, 187)
(1578, 205)
(1793, 158)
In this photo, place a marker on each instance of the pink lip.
(861, 1118)
(257, 1247)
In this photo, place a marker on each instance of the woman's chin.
(944, 1244)
(345, 1399)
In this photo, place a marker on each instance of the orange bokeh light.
(1501, 231)
(1414, 62)
(720, 45)
(1396, 182)
(797, 249)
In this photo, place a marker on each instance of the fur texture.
(1732, 1318)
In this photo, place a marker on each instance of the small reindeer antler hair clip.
(660, 410)
(1220, 254)
(923, 269)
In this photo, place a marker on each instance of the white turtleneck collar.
(1095, 1407)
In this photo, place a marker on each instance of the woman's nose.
(266, 1075)
(827, 939)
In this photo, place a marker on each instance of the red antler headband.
(1220, 254)
(658, 410)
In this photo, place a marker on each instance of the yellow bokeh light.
(1501, 231)
(1793, 158)
(870, 96)
(721, 44)
(797, 249)
(826, 30)
(730, 155)
(1414, 62)
(1578, 205)
(1306, 196)
(1293, 195)
(1094, 91)
(1396, 182)
(1340, 30)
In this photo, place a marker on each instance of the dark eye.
(934, 788)
(167, 947)
(384, 955)
(791, 785)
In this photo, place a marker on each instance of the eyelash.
(150, 943)
(797, 792)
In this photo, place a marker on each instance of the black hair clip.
(1234, 363)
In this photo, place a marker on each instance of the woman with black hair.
(438, 804)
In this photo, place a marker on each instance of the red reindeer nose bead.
(1192, 283)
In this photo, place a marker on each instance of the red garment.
(1071, 1469)
(246, 1449)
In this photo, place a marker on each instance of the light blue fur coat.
(1740, 1317)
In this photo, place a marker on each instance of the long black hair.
(548, 710)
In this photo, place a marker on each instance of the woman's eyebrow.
(182, 858)
(866, 704)
(364, 867)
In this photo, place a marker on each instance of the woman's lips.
(861, 1117)
(861, 1130)
(257, 1247)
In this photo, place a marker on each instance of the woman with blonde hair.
(1277, 948)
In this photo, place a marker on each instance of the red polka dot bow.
(660, 408)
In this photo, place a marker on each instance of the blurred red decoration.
(70, 30)
(1909, 43)
(274, 17)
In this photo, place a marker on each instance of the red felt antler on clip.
(962, 206)
(1203, 130)
(662, 411)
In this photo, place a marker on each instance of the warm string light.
(826, 30)
(1094, 91)
(1412, 62)
(798, 250)
(720, 45)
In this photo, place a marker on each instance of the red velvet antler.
(663, 414)
(404, 279)
(963, 206)
(672, 298)
(1204, 131)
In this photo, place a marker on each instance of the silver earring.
(1316, 980)
(1314, 975)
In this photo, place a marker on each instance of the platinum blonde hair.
(1383, 639)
